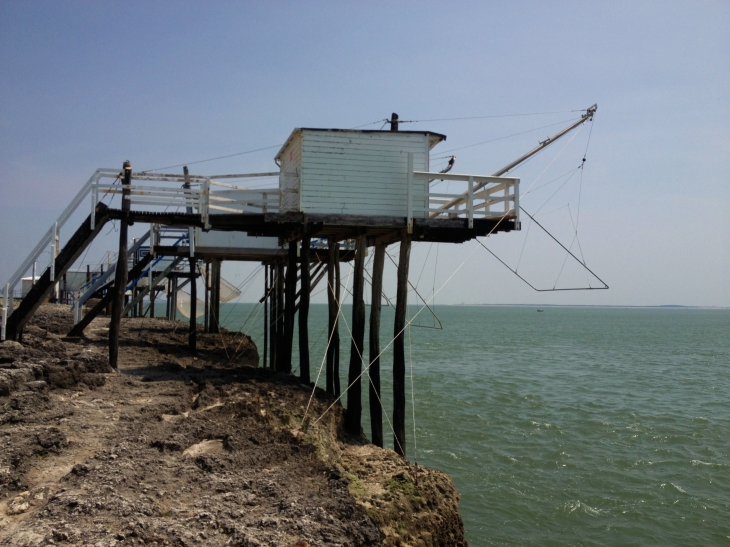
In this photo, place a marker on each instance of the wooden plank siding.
(291, 162)
(353, 172)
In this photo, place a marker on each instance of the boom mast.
(544, 144)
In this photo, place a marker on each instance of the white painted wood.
(205, 207)
(409, 192)
(232, 240)
(54, 248)
(6, 297)
(353, 172)
(470, 203)
(462, 176)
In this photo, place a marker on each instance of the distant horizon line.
(464, 304)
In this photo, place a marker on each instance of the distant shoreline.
(661, 307)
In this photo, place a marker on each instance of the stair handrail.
(55, 228)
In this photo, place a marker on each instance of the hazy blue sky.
(90, 84)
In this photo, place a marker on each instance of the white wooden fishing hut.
(334, 185)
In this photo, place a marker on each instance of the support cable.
(500, 138)
(589, 288)
(412, 319)
(413, 399)
(329, 341)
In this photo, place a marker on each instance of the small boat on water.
(539, 309)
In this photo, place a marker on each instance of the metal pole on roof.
(394, 122)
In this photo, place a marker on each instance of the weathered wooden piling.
(168, 297)
(399, 354)
(215, 296)
(120, 276)
(304, 312)
(153, 297)
(173, 298)
(206, 306)
(353, 417)
(193, 333)
(272, 315)
(376, 411)
(266, 314)
(333, 290)
(290, 294)
(338, 287)
(280, 338)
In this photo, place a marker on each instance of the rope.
(502, 138)
(425, 305)
(392, 429)
(488, 117)
(605, 286)
(212, 159)
(329, 341)
(413, 399)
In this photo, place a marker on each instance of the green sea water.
(575, 426)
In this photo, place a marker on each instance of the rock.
(36, 385)
(19, 504)
(12, 345)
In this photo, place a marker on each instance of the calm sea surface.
(575, 426)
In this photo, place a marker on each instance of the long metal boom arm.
(544, 144)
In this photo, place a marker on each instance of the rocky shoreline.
(175, 450)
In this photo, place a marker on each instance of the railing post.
(120, 276)
(205, 203)
(506, 197)
(54, 251)
(470, 203)
(409, 195)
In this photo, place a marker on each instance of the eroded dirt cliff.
(176, 450)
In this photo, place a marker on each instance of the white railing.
(200, 195)
(483, 197)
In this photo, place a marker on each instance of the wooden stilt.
(120, 276)
(193, 333)
(168, 298)
(173, 301)
(266, 314)
(207, 297)
(399, 354)
(153, 296)
(334, 338)
(376, 411)
(215, 296)
(354, 395)
(280, 337)
(133, 311)
(289, 303)
(304, 313)
(140, 306)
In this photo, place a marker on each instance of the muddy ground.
(176, 450)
